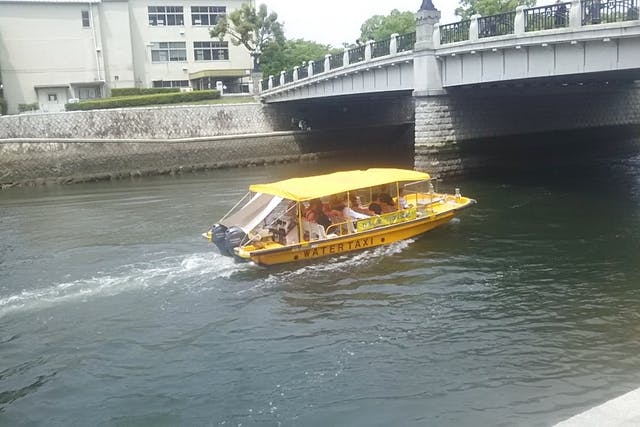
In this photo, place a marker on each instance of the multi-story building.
(53, 51)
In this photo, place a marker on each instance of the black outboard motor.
(218, 237)
(234, 237)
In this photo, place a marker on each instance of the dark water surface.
(524, 311)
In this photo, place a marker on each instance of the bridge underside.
(345, 112)
(459, 132)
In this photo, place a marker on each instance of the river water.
(523, 311)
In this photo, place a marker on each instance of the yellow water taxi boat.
(301, 219)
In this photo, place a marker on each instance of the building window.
(211, 51)
(207, 15)
(168, 52)
(171, 83)
(88, 92)
(52, 97)
(86, 23)
(166, 15)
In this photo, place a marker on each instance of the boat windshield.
(251, 214)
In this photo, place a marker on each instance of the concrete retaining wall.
(27, 161)
(169, 122)
(102, 144)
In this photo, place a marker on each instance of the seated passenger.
(333, 209)
(386, 203)
(354, 205)
(375, 208)
(402, 201)
(316, 214)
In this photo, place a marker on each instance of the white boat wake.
(165, 271)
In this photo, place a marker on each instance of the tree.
(250, 28)
(489, 7)
(380, 27)
(278, 57)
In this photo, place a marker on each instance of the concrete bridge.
(561, 67)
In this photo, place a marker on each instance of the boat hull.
(349, 243)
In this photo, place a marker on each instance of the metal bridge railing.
(318, 66)
(406, 42)
(372, 49)
(547, 17)
(456, 32)
(496, 25)
(605, 11)
(288, 77)
(558, 15)
(381, 48)
(356, 54)
(303, 71)
(336, 60)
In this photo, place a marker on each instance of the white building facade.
(53, 51)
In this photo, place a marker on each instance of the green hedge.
(28, 107)
(133, 91)
(3, 106)
(137, 101)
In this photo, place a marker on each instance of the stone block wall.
(167, 122)
(452, 132)
(63, 161)
(102, 144)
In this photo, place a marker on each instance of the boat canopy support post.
(300, 230)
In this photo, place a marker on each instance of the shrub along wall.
(142, 100)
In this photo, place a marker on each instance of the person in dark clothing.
(560, 14)
(316, 214)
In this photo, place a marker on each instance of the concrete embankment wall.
(91, 145)
(63, 161)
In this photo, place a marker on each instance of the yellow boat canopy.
(312, 187)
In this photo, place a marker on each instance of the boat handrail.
(408, 184)
(337, 227)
